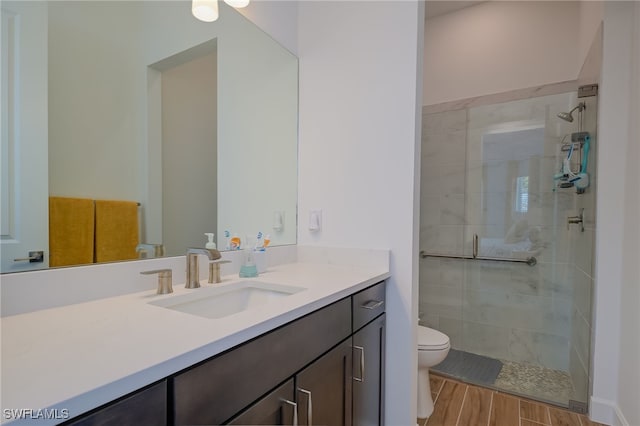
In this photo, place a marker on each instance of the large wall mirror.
(138, 101)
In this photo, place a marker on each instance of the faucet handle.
(164, 279)
(214, 270)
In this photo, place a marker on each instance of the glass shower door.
(520, 311)
(502, 273)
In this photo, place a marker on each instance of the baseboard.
(606, 412)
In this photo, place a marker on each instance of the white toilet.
(433, 347)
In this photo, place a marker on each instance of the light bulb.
(237, 3)
(205, 10)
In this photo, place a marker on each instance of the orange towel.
(116, 230)
(71, 224)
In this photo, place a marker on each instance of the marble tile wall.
(541, 314)
(443, 181)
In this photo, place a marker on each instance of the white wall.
(359, 137)
(629, 386)
(278, 18)
(101, 133)
(498, 46)
(258, 138)
(616, 385)
(257, 116)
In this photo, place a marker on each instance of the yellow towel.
(116, 230)
(71, 224)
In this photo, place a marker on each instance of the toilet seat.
(431, 340)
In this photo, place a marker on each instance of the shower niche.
(501, 272)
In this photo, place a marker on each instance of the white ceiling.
(435, 8)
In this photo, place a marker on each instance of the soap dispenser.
(210, 244)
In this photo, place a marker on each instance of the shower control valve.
(577, 220)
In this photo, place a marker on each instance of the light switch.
(278, 220)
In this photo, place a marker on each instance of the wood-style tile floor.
(460, 404)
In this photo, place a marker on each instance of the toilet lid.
(430, 339)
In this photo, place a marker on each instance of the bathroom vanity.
(314, 369)
(315, 356)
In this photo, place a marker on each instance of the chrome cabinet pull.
(309, 406)
(361, 378)
(372, 304)
(475, 245)
(295, 411)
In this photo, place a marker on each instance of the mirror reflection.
(142, 129)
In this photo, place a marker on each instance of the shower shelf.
(567, 146)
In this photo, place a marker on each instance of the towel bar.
(531, 261)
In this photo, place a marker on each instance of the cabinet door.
(277, 408)
(368, 374)
(323, 389)
(145, 407)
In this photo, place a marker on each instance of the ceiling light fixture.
(207, 10)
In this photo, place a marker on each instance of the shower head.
(567, 116)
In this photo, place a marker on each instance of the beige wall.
(95, 101)
(499, 46)
(189, 153)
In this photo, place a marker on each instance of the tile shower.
(488, 175)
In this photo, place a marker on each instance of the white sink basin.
(219, 302)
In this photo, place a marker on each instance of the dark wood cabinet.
(368, 373)
(323, 389)
(216, 390)
(322, 395)
(277, 408)
(144, 407)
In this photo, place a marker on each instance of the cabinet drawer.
(368, 304)
(145, 407)
(214, 391)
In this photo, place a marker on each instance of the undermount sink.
(219, 302)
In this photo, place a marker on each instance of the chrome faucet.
(146, 251)
(193, 272)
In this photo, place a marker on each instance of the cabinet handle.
(309, 406)
(372, 304)
(295, 411)
(475, 246)
(361, 378)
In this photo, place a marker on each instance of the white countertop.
(80, 356)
